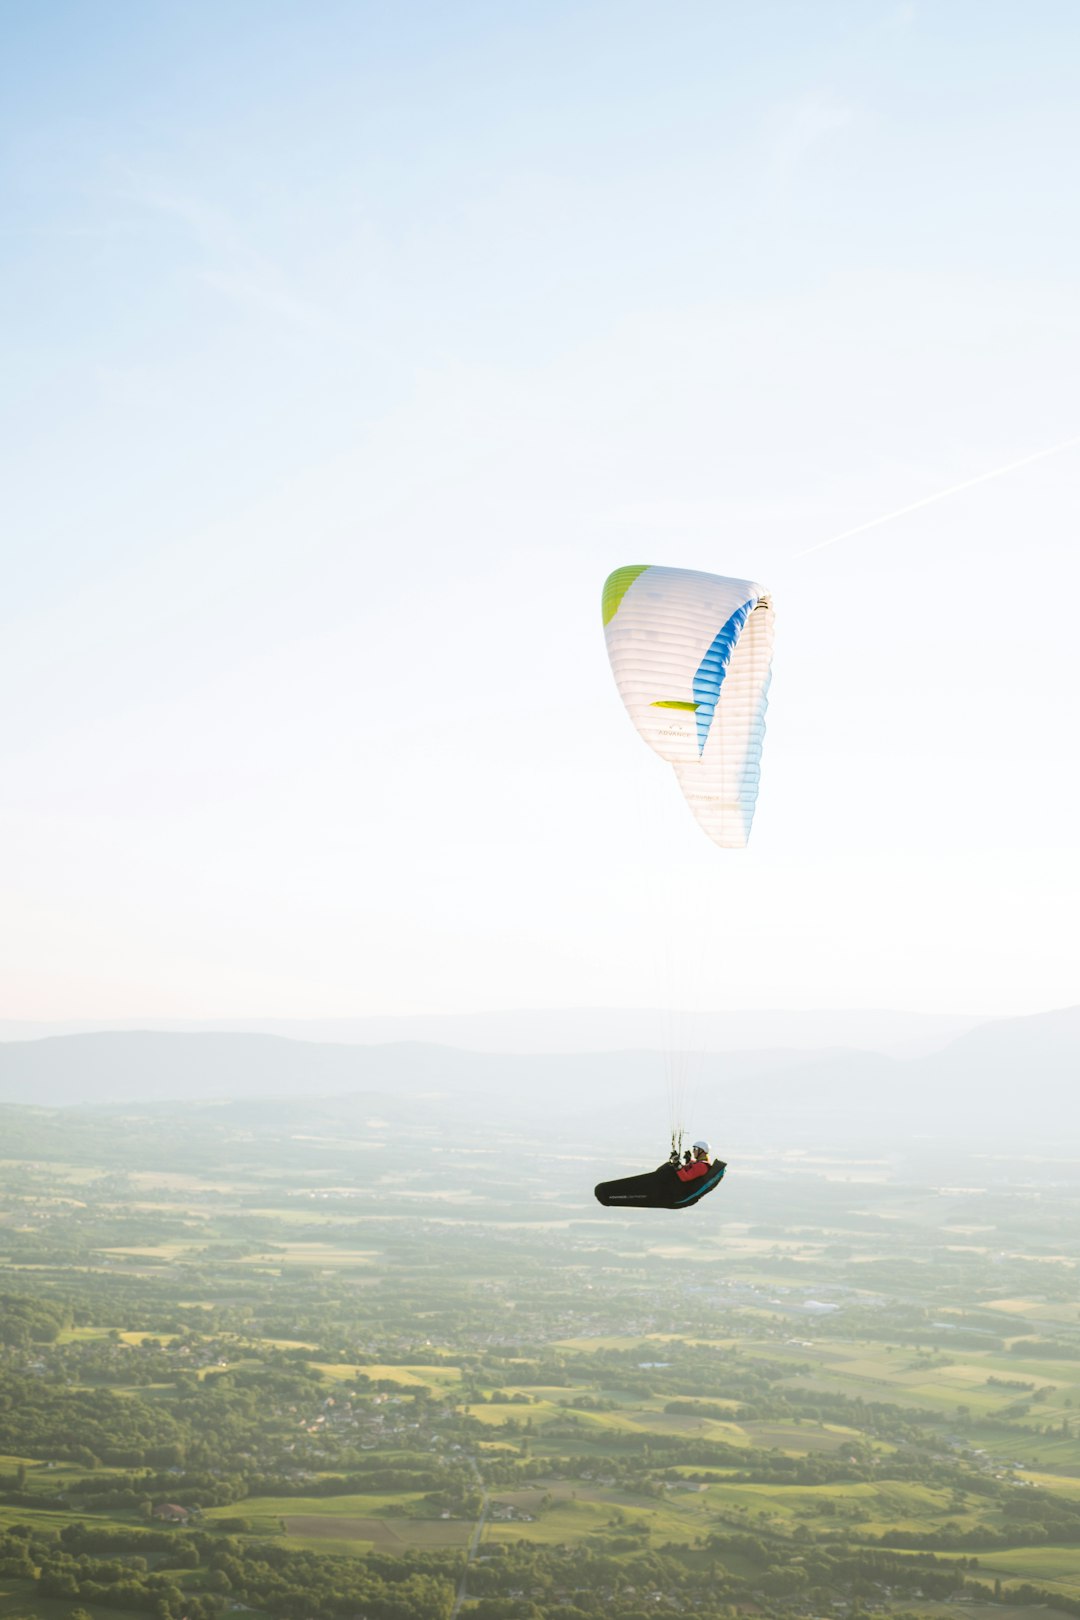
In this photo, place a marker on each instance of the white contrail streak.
(941, 494)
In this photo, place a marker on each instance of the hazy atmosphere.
(426, 430)
(349, 348)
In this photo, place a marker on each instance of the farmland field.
(250, 1386)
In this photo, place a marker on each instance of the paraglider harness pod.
(660, 1188)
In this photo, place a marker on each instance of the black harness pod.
(659, 1188)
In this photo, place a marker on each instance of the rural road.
(473, 1544)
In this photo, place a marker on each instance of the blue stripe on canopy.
(712, 669)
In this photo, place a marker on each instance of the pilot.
(699, 1165)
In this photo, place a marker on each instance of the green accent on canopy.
(616, 586)
(674, 703)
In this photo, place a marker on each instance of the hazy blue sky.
(349, 346)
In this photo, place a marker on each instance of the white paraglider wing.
(691, 654)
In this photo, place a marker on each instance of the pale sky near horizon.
(347, 349)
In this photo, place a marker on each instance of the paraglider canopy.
(691, 654)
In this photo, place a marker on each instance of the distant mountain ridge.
(995, 1080)
(578, 1029)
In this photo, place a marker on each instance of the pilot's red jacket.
(691, 1172)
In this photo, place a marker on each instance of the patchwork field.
(355, 1535)
(254, 1387)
